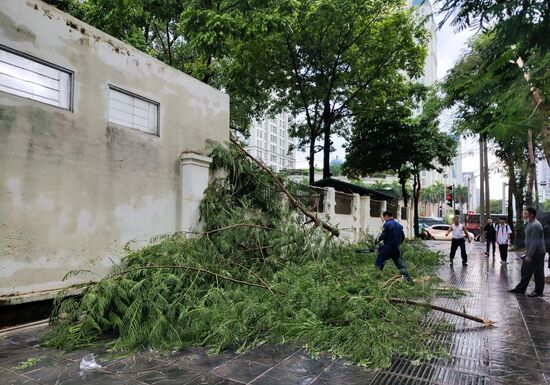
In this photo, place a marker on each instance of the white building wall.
(76, 187)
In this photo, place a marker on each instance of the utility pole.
(487, 194)
(481, 188)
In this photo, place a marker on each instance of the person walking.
(503, 239)
(535, 250)
(392, 236)
(459, 233)
(490, 236)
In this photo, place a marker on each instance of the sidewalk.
(514, 352)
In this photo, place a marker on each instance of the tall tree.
(337, 53)
(401, 141)
(521, 28)
(492, 103)
(461, 194)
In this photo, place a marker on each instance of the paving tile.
(339, 373)
(11, 378)
(200, 360)
(170, 375)
(210, 379)
(270, 354)
(134, 366)
(304, 365)
(278, 376)
(240, 370)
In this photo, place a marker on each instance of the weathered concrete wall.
(74, 189)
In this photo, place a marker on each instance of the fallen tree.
(255, 274)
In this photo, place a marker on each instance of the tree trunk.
(416, 194)
(311, 160)
(510, 208)
(481, 188)
(532, 169)
(403, 183)
(487, 191)
(326, 150)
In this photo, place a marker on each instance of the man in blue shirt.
(392, 236)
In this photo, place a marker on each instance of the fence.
(352, 214)
(344, 203)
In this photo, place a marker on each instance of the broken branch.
(334, 231)
(438, 308)
(198, 269)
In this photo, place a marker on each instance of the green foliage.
(496, 206)
(29, 363)
(257, 274)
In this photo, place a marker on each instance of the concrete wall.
(74, 189)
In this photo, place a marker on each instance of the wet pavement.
(515, 351)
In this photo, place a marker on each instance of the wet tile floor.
(514, 352)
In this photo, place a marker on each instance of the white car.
(439, 233)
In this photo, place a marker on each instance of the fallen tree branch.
(200, 270)
(250, 225)
(438, 308)
(334, 231)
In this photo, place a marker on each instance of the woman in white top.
(459, 232)
(503, 238)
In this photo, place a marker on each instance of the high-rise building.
(543, 179)
(452, 175)
(270, 142)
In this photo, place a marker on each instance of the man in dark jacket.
(490, 236)
(535, 250)
(392, 236)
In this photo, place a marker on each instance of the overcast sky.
(450, 46)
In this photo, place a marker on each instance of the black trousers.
(536, 268)
(503, 252)
(455, 244)
(489, 243)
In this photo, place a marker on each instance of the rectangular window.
(34, 79)
(273, 148)
(273, 138)
(133, 111)
(273, 129)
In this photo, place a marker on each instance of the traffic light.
(449, 196)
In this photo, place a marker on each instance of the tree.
(521, 27)
(334, 54)
(401, 142)
(490, 99)
(496, 206)
(461, 196)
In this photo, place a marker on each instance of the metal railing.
(312, 198)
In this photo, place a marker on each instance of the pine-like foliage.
(256, 274)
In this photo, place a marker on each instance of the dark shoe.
(515, 291)
(464, 264)
(534, 294)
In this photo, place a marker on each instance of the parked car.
(438, 233)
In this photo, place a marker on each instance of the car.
(439, 233)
